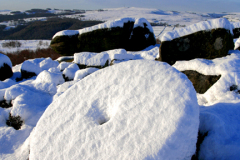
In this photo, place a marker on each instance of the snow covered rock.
(80, 74)
(30, 68)
(5, 67)
(132, 34)
(63, 65)
(48, 63)
(88, 59)
(69, 72)
(48, 77)
(201, 82)
(207, 39)
(133, 110)
(227, 67)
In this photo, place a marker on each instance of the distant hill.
(44, 29)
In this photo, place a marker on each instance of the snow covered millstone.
(5, 67)
(133, 110)
(208, 39)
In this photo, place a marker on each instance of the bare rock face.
(201, 82)
(207, 44)
(5, 72)
(65, 45)
(236, 32)
(133, 35)
(5, 67)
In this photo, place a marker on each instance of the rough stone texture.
(201, 82)
(26, 74)
(83, 66)
(65, 45)
(127, 37)
(236, 32)
(5, 72)
(105, 39)
(203, 44)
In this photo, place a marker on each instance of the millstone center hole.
(101, 121)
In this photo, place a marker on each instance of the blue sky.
(177, 5)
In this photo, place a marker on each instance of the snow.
(54, 70)
(146, 114)
(118, 55)
(227, 67)
(201, 26)
(48, 77)
(91, 59)
(80, 74)
(219, 113)
(5, 12)
(25, 45)
(30, 66)
(66, 33)
(140, 23)
(5, 59)
(237, 44)
(236, 25)
(63, 65)
(6, 83)
(29, 99)
(221, 121)
(219, 110)
(63, 87)
(108, 24)
(48, 63)
(70, 71)
(38, 65)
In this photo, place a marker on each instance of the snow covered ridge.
(201, 26)
(138, 22)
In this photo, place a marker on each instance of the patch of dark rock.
(66, 78)
(19, 79)
(201, 138)
(26, 74)
(201, 82)
(5, 72)
(234, 88)
(83, 66)
(14, 121)
(5, 104)
(101, 122)
(236, 32)
(126, 37)
(203, 44)
(65, 45)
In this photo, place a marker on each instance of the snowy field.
(137, 108)
(156, 16)
(25, 45)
